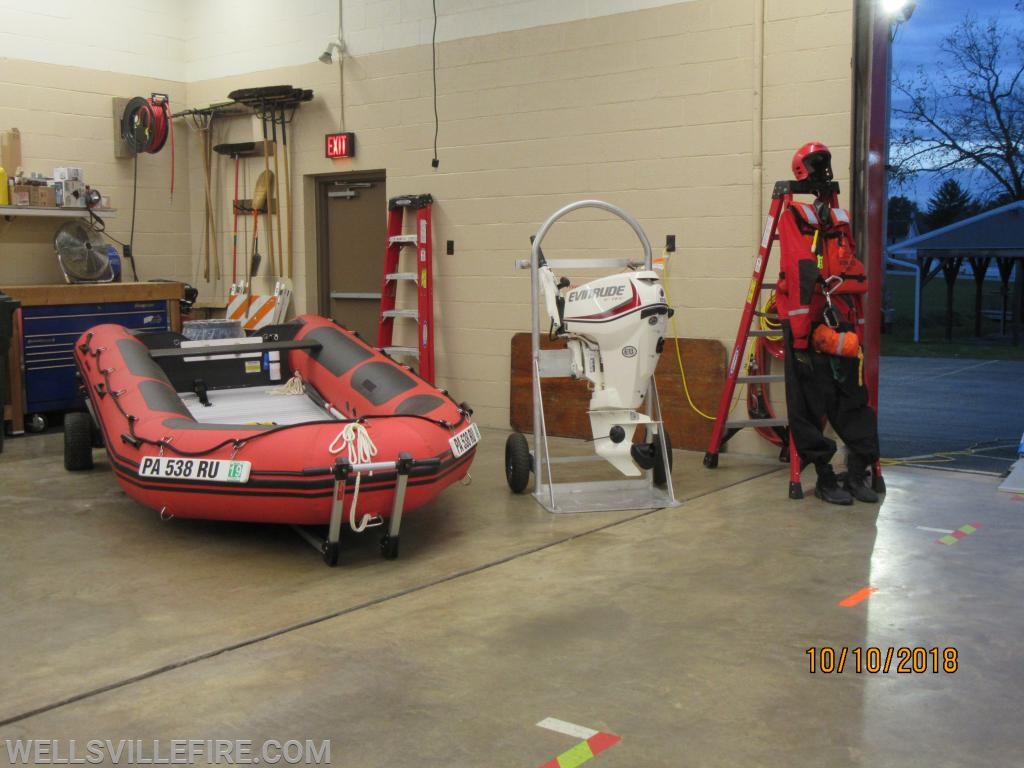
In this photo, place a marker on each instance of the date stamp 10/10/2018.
(873, 660)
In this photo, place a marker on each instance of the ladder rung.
(401, 276)
(740, 423)
(769, 286)
(402, 239)
(761, 378)
(402, 351)
(759, 332)
(401, 313)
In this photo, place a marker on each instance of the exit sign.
(340, 145)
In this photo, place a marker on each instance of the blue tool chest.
(48, 337)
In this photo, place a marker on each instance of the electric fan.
(83, 256)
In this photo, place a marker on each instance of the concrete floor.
(684, 631)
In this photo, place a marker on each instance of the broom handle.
(234, 229)
(205, 136)
(277, 196)
(287, 193)
(270, 190)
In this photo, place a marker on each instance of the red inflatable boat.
(304, 424)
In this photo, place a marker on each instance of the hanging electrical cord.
(679, 355)
(341, 63)
(433, 54)
(129, 249)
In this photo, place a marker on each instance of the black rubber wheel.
(660, 478)
(77, 441)
(517, 462)
(389, 547)
(711, 460)
(330, 553)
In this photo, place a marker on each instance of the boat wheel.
(389, 547)
(517, 462)
(330, 552)
(77, 441)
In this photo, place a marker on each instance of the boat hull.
(292, 469)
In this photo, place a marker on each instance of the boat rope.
(366, 521)
(293, 386)
(356, 439)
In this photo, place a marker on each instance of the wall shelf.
(10, 211)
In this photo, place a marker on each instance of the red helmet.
(813, 161)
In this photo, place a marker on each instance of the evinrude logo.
(629, 351)
(602, 292)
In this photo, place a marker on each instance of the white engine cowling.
(626, 315)
(615, 327)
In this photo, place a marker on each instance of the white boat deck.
(253, 405)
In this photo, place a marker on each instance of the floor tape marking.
(857, 597)
(569, 729)
(934, 530)
(595, 742)
(962, 532)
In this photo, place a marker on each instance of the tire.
(77, 441)
(329, 552)
(660, 478)
(517, 462)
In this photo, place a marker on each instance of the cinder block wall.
(65, 116)
(666, 112)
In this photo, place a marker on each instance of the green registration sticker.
(202, 470)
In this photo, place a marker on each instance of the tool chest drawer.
(48, 337)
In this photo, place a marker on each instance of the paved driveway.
(973, 409)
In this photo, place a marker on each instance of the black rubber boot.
(827, 488)
(855, 481)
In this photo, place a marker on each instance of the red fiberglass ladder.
(725, 427)
(422, 276)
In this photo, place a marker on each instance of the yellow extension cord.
(679, 356)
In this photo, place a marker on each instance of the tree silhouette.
(902, 212)
(966, 111)
(950, 203)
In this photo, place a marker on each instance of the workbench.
(40, 363)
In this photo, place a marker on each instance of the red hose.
(146, 125)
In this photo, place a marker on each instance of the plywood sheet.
(566, 400)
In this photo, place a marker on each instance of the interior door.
(353, 229)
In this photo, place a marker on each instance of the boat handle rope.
(367, 521)
(355, 438)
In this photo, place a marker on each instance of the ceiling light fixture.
(327, 56)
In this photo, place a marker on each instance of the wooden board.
(98, 293)
(566, 400)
